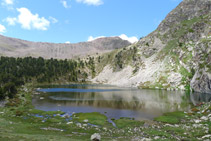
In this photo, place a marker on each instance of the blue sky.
(61, 21)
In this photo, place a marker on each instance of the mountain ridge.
(174, 56)
(21, 48)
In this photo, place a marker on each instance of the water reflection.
(115, 102)
(197, 98)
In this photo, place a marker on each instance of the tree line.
(15, 72)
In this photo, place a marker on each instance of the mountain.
(177, 55)
(20, 48)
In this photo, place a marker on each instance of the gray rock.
(96, 137)
(201, 82)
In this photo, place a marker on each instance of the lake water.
(114, 102)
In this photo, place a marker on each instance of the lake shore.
(20, 121)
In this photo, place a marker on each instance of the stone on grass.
(85, 125)
(96, 137)
(204, 118)
(206, 136)
(156, 137)
(79, 125)
(146, 139)
(86, 120)
(70, 122)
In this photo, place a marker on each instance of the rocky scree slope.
(20, 48)
(177, 55)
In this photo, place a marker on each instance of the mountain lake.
(114, 102)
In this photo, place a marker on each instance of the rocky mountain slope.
(20, 48)
(177, 55)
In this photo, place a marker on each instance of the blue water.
(77, 90)
(114, 102)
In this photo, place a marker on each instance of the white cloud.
(11, 21)
(65, 4)
(68, 42)
(2, 28)
(91, 2)
(132, 39)
(28, 20)
(53, 20)
(91, 38)
(7, 2)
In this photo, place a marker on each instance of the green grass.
(156, 132)
(93, 118)
(184, 72)
(167, 49)
(183, 28)
(44, 113)
(118, 59)
(167, 119)
(125, 122)
(172, 118)
(188, 57)
(174, 130)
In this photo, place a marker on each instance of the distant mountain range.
(21, 48)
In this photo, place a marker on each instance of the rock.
(156, 137)
(96, 137)
(70, 122)
(86, 120)
(206, 136)
(201, 82)
(66, 116)
(79, 125)
(41, 98)
(85, 125)
(197, 121)
(52, 129)
(146, 139)
(204, 118)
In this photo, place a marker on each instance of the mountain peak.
(186, 10)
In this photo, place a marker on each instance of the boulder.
(96, 137)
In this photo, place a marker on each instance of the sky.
(72, 21)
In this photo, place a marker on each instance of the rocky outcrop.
(20, 48)
(177, 55)
(186, 10)
(201, 82)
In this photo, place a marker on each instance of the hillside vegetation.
(177, 55)
(15, 72)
